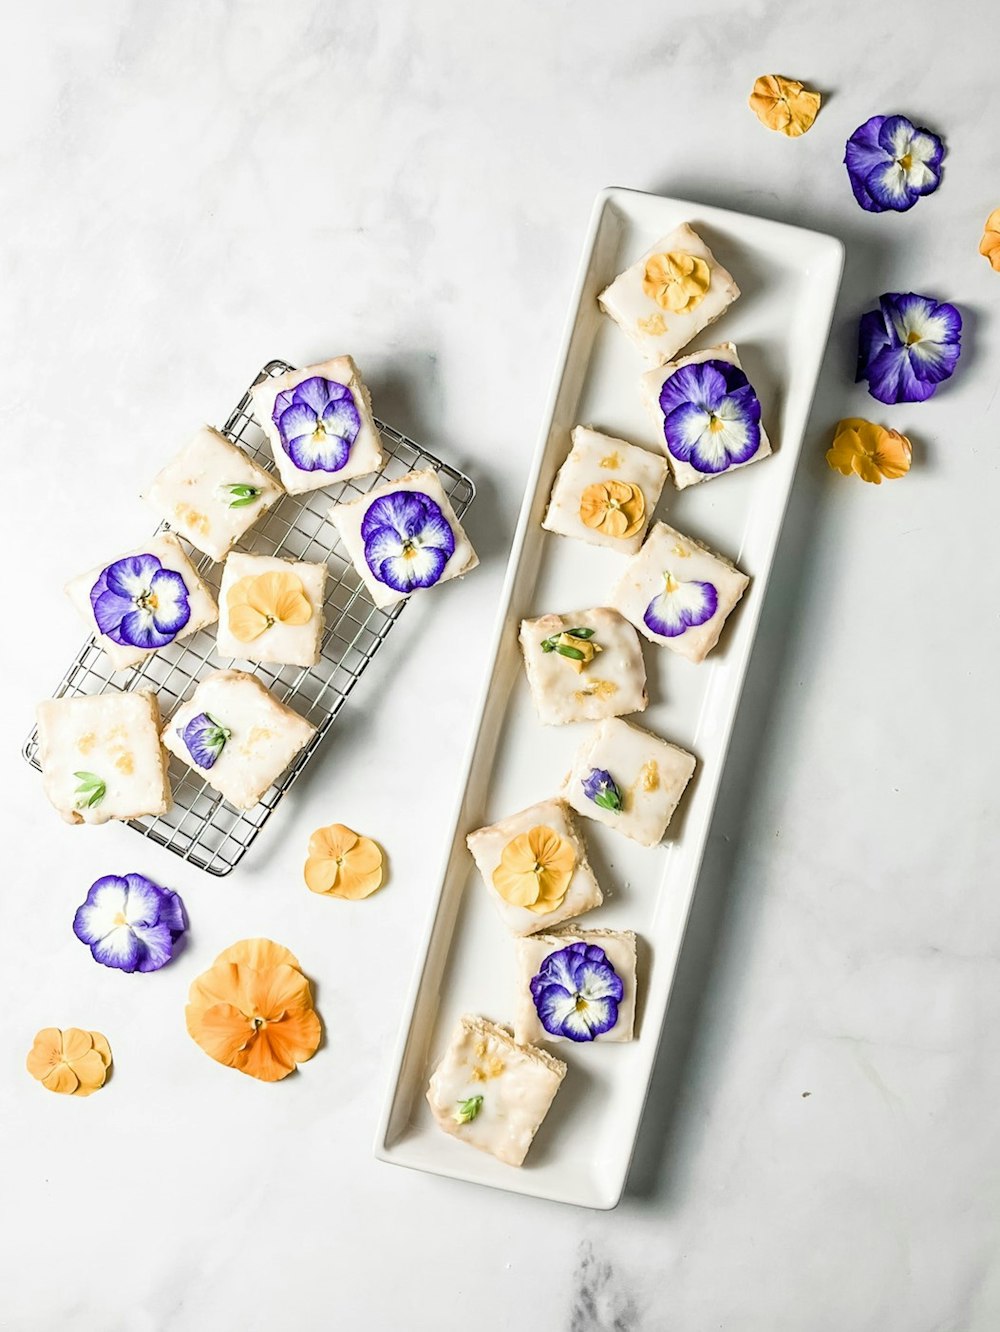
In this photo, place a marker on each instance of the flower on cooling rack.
(908, 346)
(711, 416)
(205, 739)
(130, 923)
(408, 540)
(784, 104)
(257, 602)
(891, 163)
(680, 606)
(252, 1010)
(600, 787)
(677, 281)
(535, 870)
(74, 1062)
(317, 422)
(343, 864)
(870, 451)
(138, 603)
(577, 992)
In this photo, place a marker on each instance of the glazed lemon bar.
(403, 536)
(235, 734)
(605, 492)
(143, 601)
(678, 593)
(583, 666)
(668, 296)
(535, 867)
(101, 756)
(319, 424)
(629, 779)
(576, 985)
(492, 1092)
(212, 493)
(271, 610)
(707, 415)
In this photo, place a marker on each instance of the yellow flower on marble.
(990, 244)
(259, 601)
(676, 281)
(862, 448)
(615, 507)
(784, 104)
(535, 870)
(74, 1062)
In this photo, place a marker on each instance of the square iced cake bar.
(575, 985)
(212, 493)
(629, 779)
(402, 536)
(707, 415)
(535, 867)
(669, 295)
(271, 610)
(235, 734)
(101, 756)
(492, 1092)
(678, 593)
(605, 492)
(583, 666)
(319, 424)
(143, 601)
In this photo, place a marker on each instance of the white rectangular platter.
(789, 280)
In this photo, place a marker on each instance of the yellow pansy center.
(906, 161)
(912, 337)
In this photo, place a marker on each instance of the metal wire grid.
(201, 827)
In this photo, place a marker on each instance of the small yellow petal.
(784, 104)
(246, 623)
(990, 243)
(61, 1079)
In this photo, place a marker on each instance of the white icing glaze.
(517, 1085)
(114, 736)
(619, 948)
(266, 735)
(289, 644)
(189, 493)
(612, 684)
(596, 458)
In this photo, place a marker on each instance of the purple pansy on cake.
(577, 992)
(680, 606)
(891, 163)
(908, 346)
(138, 603)
(711, 416)
(317, 422)
(130, 923)
(205, 739)
(408, 540)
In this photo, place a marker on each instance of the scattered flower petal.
(535, 870)
(863, 448)
(891, 163)
(908, 346)
(677, 281)
(259, 601)
(342, 864)
(784, 104)
(130, 923)
(615, 507)
(74, 1062)
(577, 992)
(990, 244)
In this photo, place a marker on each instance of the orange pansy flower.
(676, 281)
(535, 870)
(252, 1010)
(784, 104)
(342, 864)
(862, 448)
(259, 601)
(615, 507)
(73, 1061)
(990, 244)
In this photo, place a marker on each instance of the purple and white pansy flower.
(138, 603)
(680, 606)
(577, 992)
(205, 739)
(711, 416)
(130, 922)
(891, 163)
(408, 540)
(908, 346)
(317, 422)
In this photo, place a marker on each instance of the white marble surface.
(189, 190)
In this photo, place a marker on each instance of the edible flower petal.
(891, 163)
(535, 870)
(257, 602)
(676, 281)
(577, 992)
(711, 416)
(680, 606)
(784, 104)
(205, 738)
(317, 422)
(74, 1062)
(863, 448)
(343, 864)
(138, 603)
(990, 244)
(908, 346)
(408, 540)
(130, 922)
(600, 787)
(615, 507)
(252, 1010)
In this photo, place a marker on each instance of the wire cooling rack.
(201, 827)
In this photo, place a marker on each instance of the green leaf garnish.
(609, 799)
(91, 790)
(241, 494)
(467, 1110)
(553, 645)
(217, 737)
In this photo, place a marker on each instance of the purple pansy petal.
(200, 739)
(119, 949)
(576, 992)
(681, 606)
(891, 163)
(684, 427)
(408, 540)
(908, 346)
(317, 422)
(418, 567)
(326, 453)
(130, 923)
(703, 384)
(130, 577)
(138, 603)
(891, 379)
(711, 416)
(155, 947)
(316, 392)
(143, 907)
(873, 337)
(906, 312)
(172, 911)
(96, 917)
(927, 148)
(138, 629)
(862, 155)
(297, 421)
(172, 610)
(888, 185)
(933, 362)
(405, 511)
